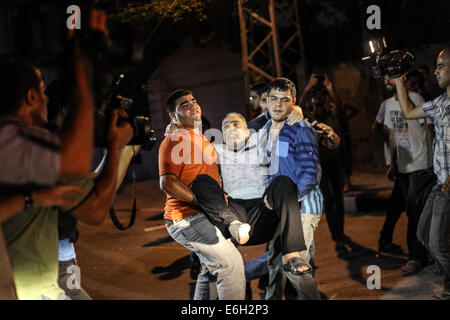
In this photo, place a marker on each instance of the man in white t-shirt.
(409, 162)
(396, 201)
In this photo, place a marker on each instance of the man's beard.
(390, 89)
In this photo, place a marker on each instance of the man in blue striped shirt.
(292, 151)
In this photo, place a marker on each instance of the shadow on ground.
(174, 270)
(360, 257)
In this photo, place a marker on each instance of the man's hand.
(331, 139)
(327, 83)
(392, 172)
(59, 195)
(313, 80)
(295, 116)
(119, 134)
(326, 131)
(400, 80)
(446, 185)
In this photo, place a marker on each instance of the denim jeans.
(68, 280)
(221, 262)
(393, 213)
(310, 223)
(409, 183)
(434, 230)
(332, 188)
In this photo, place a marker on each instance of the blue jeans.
(222, 264)
(434, 230)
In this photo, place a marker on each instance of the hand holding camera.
(119, 132)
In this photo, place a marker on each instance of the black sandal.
(293, 264)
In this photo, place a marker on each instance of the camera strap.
(116, 221)
(112, 212)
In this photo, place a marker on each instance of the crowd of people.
(265, 181)
(226, 200)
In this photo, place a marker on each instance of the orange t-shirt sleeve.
(165, 162)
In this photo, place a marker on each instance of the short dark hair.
(17, 77)
(263, 90)
(418, 75)
(174, 96)
(283, 84)
(257, 87)
(424, 67)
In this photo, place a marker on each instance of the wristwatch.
(28, 199)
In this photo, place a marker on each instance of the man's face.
(442, 71)
(390, 85)
(187, 111)
(280, 104)
(235, 132)
(38, 110)
(254, 100)
(264, 102)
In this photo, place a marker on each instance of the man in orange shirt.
(183, 155)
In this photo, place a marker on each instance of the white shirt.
(243, 176)
(410, 136)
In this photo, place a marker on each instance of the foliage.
(140, 13)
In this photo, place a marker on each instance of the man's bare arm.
(94, 210)
(410, 111)
(58, 195)
(170, 184)
(78, 130)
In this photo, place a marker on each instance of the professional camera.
(143, 134)
(387, 64)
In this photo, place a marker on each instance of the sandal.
(293, 264)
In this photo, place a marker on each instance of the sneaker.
(444, 295)
(411, 267)
(391, 248)
(341, 250)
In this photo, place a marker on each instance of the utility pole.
(271, 40)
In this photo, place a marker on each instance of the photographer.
(31, 230)
(434, 224)
(32, 156)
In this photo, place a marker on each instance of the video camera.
(387, 64)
